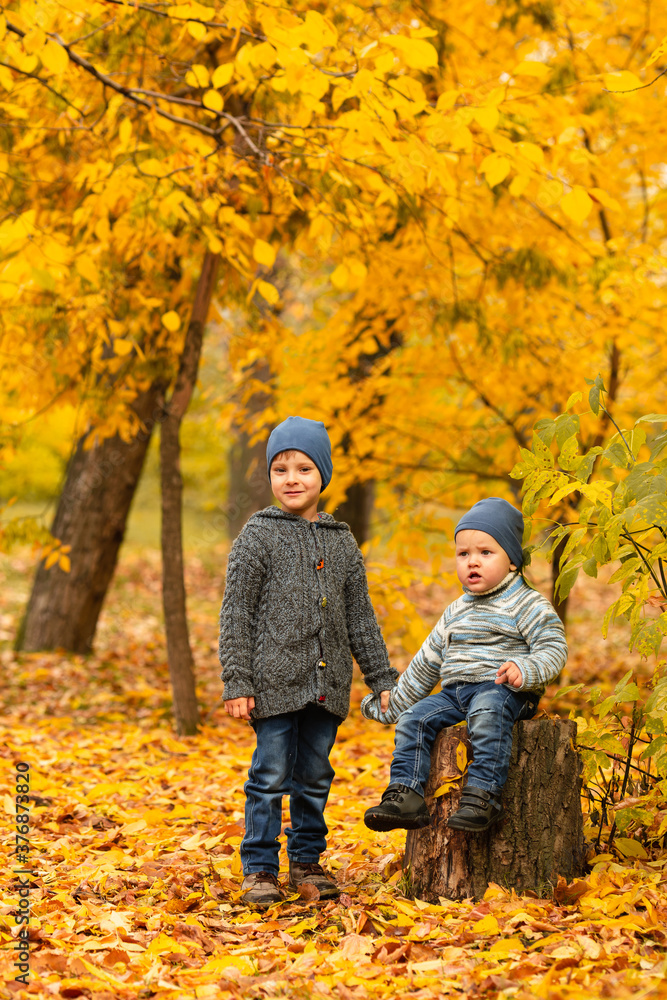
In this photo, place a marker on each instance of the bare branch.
(107, 81)
(34, 76)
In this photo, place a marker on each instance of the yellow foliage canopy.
(473, 216)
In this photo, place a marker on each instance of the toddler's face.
(481, 562)
(295, 482)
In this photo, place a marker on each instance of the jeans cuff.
(253, 869)
(415, 786)
(488, 786)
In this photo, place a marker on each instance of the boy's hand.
(509, 673)
(384, 701)
(240, 708)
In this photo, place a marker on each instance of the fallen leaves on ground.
(136, 871)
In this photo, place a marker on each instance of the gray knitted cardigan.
(295, 608)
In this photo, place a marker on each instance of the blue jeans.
(490, 711)
(291, 758)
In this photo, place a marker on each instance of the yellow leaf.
(495, 168)
(506, 945)
(106, 977)
(605, 199)
(222, 75)
(487, 925)
(309, 924)
(447, 100)
(519, 185)
(136, 827)
(621, 81)
(319, 31)
(630, 848)
(531, 151)
(163, 944)
(263, 253)
(171, 321)
(197, 30)
(530, 68)
(191, 842)
(155, 168)
(655, 55)
(54, 57)
(125, 131)
(416, 53)
(268, 292)
(461, 138)
(357, 275)
(6, 78)
(576, 204)
(52, 559)
(447, 785)
(87, 270)
(502, 144)
(487, 118)
(213, 100)
(340, 277)
(461, 756)
(122, 347)
(197, 76)
(34, 40)
(65, 564)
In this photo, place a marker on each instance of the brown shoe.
(310, 873)
(261, 889)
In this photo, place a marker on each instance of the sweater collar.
(324, 520)
(504, 583)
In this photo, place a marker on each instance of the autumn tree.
(213, 140)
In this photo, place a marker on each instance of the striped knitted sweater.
(296, 610)
(476, 634)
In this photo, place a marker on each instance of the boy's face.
(481, 562)
(296, 483)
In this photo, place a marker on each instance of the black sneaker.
(478, 810)
(401, 807)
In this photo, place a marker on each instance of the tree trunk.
(91, 517)
(357, 508)
(249, 487)
(539, 838)
(181, 664)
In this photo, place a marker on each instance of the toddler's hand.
(240, 708)
(384, 701)
(509, 673)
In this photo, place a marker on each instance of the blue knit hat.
(308, 436)
(499, 519)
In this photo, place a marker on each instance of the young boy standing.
(494, 649)
(296, 608)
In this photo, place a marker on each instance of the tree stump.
(540, 836)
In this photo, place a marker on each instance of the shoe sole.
(383, 824)
(471, 827)
(262, 904)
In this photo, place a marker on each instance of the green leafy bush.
(608, 504)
